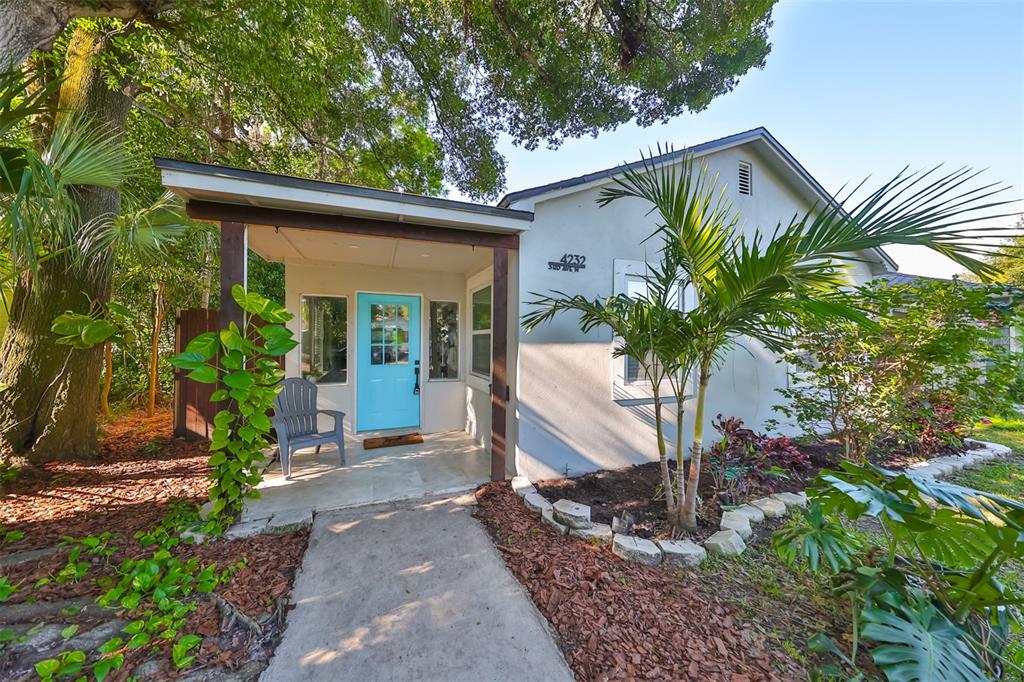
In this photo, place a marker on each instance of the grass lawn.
(764, 589)
(1006, 476)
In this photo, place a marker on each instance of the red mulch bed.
(139, 469)
(620, 620)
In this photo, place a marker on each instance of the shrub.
(243, 363)
(928, 599)
(929, 367)
(743, 459)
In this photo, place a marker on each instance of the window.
(389, 334)
(636, 286)
(745, 180)
(481, 341)
(628, 382)
(323, 339)
(444, 340)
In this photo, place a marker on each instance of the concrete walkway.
(412, 591)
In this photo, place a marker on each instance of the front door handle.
(416, 388)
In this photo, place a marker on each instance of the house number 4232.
(569, 262)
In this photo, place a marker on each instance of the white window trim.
(458, 326)
(474, 332)
(639, 392)
(348, 335)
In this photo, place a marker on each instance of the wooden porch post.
(234, 243)
(499, 363)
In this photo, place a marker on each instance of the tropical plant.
(744, 460)
(242, 361)
(755, 286)
(928, 597)
(643, 327)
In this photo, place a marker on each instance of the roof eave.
(235, 186)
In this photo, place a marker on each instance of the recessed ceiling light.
(354, 246)
(424, 255)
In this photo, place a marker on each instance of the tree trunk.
(154, 348)
(204, 301)
(49, 411)
(27, 25)
(108, 378)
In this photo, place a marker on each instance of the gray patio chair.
(295, 417)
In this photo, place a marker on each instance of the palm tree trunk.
(666, 477)
(676, 519)
(696, 452)
(154, 348)
(49, 411)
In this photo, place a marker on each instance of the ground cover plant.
(120, 590)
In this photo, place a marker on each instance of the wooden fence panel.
(193, 409)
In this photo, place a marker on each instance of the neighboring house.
(407, 307)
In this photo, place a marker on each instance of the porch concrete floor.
(443, 463)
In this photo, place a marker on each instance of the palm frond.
(147, 231)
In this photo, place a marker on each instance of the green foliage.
(8, 472)
(918, 642)
(39, 218)
(68, 664)
(931, 366)
(6, 588)
(81, 331)
(249, 385)
(817, 538)
(9, 535)
(182, 651)
(1009, 259)
(438, 85)
(930, 598)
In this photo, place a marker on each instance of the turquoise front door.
(388, 367)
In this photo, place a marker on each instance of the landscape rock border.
(566, 516)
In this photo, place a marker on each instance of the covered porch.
(404, 322)
(446, 462)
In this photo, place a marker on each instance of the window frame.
(430, 340)
(473, 333)
(348, 333)
(639, 392)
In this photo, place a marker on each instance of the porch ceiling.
(293, 245)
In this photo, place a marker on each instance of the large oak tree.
(400, 94)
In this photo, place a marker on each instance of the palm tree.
(756, 287)
(640, 327)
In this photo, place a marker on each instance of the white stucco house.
(408, 307)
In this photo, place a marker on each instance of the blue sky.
(854, 89)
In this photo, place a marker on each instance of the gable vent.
(745, 185)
